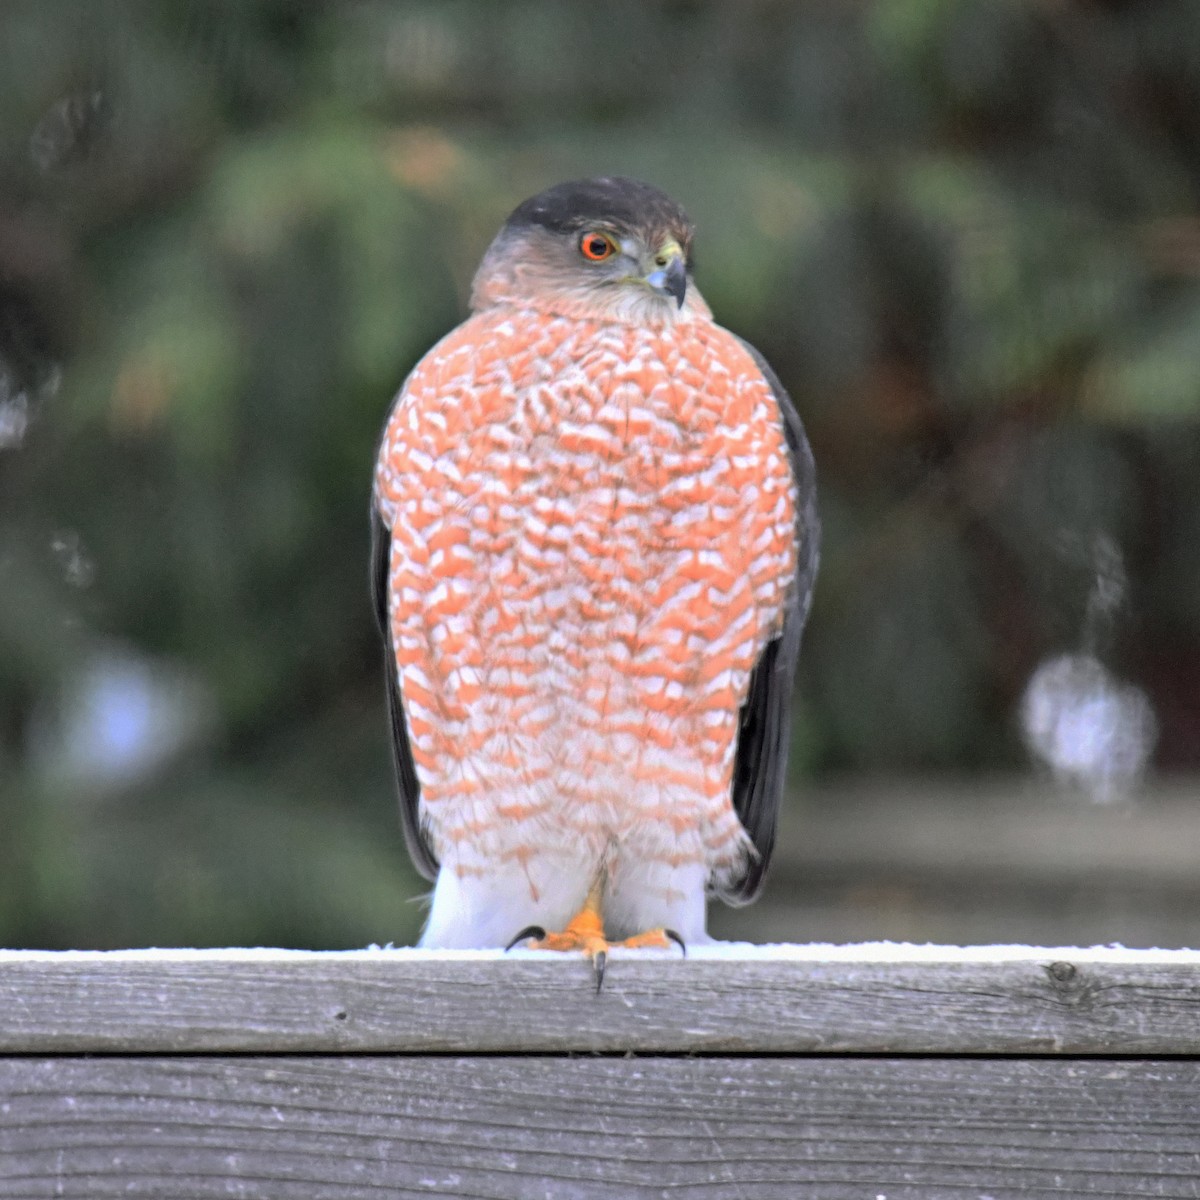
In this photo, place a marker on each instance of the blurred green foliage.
(966, 234)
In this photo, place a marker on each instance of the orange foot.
(585, 931)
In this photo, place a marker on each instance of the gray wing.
(760, 764)
(406, 772)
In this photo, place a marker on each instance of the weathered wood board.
(779, 1000)
(505, 1127)
(805, 1073)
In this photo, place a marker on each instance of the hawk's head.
(608, 248)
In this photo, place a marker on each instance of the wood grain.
(322, 1003)
(833, 1129)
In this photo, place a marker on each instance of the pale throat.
(627, 303)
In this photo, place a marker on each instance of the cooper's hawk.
(595, 546)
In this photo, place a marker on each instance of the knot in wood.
(1061, 972)
(1071, 986)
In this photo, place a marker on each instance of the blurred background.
(965, 232)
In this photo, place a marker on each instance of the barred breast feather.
(593, 533)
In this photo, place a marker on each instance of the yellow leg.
(585, 931)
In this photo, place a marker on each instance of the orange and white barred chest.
(593, 536)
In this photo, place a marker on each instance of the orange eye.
(596, 246)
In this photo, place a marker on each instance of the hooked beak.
(671, 279)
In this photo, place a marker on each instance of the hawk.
(595, 543)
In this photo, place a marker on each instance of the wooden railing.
(825, 1072)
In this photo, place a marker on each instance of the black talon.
(599, 962)
(677, 940)
(530, 931)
